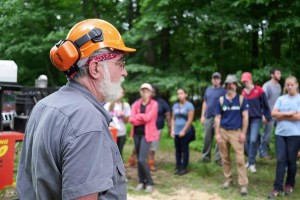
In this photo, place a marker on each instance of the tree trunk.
(165, 46)
(255, 50)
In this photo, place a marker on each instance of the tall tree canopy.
(179, 43)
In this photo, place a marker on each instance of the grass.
(207, 177)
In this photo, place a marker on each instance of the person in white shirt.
(120, 112)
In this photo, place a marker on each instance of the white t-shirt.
(117, 121)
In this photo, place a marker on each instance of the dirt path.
(182, 194)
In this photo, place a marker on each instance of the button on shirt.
(68, 151)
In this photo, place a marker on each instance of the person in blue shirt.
(181, 128)
(287, 137)
(211, 98)
(231, 123)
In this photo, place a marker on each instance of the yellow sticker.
(3, 150)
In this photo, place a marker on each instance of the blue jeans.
(251, 145)
(264, 148)
(286, 150)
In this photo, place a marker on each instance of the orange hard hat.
(111, 37)
(246, 76)
(84, 39)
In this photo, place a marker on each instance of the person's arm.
(217, 128)
(266, 107)
(217, 122)
(188, 123)
(168, 119)
(173, 125)
(203, 112)
(289, 115)
(245, 123)
(149, 114)
(134, 118)
(82, 178)
(125, 118)
(126, 113)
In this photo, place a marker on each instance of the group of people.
(147, 116)
(235, 119)
(69, 153)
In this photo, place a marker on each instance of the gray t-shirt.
(68, 151)
(272, 91)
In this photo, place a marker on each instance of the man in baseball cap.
(211, 97)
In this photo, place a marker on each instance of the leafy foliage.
(179, 43)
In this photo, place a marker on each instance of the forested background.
(178, 42)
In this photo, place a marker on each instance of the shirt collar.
(91, 98)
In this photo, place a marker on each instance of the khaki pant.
(231, 137)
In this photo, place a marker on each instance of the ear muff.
(66, 53)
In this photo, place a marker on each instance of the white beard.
(109, 90)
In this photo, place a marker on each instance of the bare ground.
(177, 191)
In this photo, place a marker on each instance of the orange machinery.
(7, 156)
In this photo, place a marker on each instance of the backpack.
(241, 98)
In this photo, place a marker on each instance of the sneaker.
(226, 185)
(139, 187)
(205, 160)
(244, 191)
(182, 172)
(176, 171)
(149, 188)
(274, 194)
(246, 165)
(219, 162)
(252, 168)
(288, 190)
(267, 157)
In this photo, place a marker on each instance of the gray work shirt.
(68, 151)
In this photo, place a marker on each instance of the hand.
(130, 140)
(172, 134)
(120, 113)
(218, 138)
(242, 138)
(290, 113)
(182, 134)
(264, 120)
(202, 119)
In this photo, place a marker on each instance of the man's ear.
(94, 69)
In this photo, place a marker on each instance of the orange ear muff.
(64, 55)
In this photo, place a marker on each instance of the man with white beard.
(68, 151)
